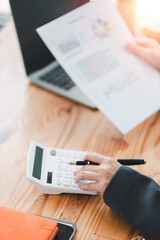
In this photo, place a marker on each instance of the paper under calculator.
(47, 168)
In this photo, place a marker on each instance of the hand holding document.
(90, 44)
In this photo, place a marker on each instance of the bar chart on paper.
(68, 44)
(96, 65)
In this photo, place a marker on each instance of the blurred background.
(139, 15)
(5, 13)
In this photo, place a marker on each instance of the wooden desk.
(29, 113)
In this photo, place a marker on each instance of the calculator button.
(58, 181)
(73, 176)
(74, 155)
(59, 174)
(67, 167)
(67, 182)
(60, 154)
(81, 155)
(60, 160)
(77, 167)
(53, 152)
(59, 167)
(74, 184)
(67, 174)
(66, 160)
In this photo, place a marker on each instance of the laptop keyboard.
(59, 78)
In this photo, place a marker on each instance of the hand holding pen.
(102, 173)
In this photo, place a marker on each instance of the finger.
(94, 157)
(90, 168)
(140, 51)
(90, 187)
(150, 34)
(75, 172)
(85, 175)
(147, 42)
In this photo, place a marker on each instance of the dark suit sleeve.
(136, 198)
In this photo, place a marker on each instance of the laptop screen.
(28, 16)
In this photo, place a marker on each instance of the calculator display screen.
(37, 167)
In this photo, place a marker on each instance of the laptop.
(41, 67)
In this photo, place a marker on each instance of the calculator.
(49, 170)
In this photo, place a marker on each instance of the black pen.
(129, 162)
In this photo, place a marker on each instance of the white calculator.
(47, 168)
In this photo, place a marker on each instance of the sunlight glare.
(148, 12)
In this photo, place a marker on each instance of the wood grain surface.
(29, 113)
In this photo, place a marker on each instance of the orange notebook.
(17, 225)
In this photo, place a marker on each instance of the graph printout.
(90, 44)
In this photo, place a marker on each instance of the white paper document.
(90, 44)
